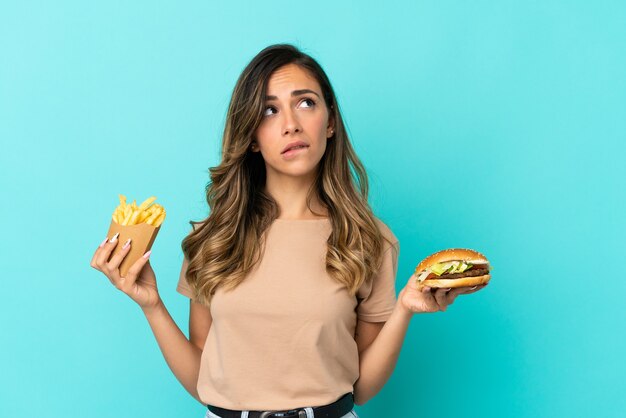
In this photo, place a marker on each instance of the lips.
(293, 145)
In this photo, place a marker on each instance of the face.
(294, 111)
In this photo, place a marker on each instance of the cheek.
(318, 125)
(322, 144)
(263, 136)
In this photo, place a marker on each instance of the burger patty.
(466, 273)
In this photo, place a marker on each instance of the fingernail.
(114, 237)
(147, 255)
(126, 244)
(104, 242)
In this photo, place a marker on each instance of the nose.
(290, 123)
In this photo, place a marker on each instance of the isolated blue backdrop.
(496, 125)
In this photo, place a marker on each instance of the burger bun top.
(450, 254)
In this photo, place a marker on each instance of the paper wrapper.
(142, 236)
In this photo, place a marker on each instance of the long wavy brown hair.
(222, 249)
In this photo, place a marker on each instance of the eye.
(309, 100)
(269, 107)
(312, 103)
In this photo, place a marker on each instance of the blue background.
(495, 125)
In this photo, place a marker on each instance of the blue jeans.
(309, 414)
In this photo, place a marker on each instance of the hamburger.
(454, 267)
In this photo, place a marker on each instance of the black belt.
(336, 409)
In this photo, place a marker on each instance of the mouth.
(295, 149)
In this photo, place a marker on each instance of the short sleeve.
(183, 287)
(377, 298)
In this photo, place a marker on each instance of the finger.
(422, 288)
(473, 289)
(147, 268)
(101, 257)
(105, 252)
(92, 263)
(117, 259)
(454, 292)
(427, 301)
(441, 296)
(128, 282)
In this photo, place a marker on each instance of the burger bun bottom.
(460, 282)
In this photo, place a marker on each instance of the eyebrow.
(294, 93)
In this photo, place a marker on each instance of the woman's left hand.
(416, 298)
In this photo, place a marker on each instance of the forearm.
(182, 356)
(377, 362)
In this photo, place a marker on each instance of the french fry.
(128, 211)
(142, 217)
(159, 219)
(147, 203)
(134, 216)
(152, 218)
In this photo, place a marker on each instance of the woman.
(291, 278)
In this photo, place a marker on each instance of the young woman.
(291, 278)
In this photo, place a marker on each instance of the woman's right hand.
(140, 282)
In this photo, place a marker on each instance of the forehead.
(291, 77)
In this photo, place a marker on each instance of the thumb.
(147, 271)
(147, 267)
(423, 288)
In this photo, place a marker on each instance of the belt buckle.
(268, 414)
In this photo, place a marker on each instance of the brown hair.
(224, 247)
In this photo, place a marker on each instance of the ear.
(330, 130)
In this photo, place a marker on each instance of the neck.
(290, 194)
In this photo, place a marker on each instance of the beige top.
(284, 338)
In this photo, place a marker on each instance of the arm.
(377, 361)
(181, 355)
